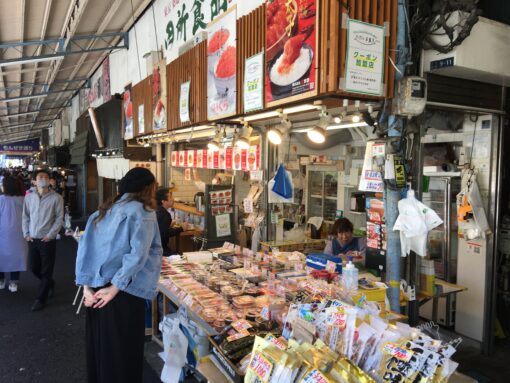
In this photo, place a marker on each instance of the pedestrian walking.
(118, 265)
(13, 247)
(43, 217)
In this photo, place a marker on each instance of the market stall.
(269, 316)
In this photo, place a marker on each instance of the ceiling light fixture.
(262, 116)
(317, 135)
(243, 142)
(356, 116)
(214, 145)
(337, 119)
(24, 97)
(274, 136)
(300, 108)
(31, 60)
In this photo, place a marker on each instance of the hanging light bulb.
(274, 136)
(317, 135)
(243, 142)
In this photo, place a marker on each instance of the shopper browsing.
(118, 264)
(13, 247)
(43, 217)
(165, 201)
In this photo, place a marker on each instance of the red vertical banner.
(258, 157)
(244, 159)
(174, 158)
(182, 156)
(210, 159)
(228, 158)
(195, 158)
(216, 160)
(190, 158)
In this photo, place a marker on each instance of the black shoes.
(38, 305)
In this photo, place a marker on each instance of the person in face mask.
(43, 217)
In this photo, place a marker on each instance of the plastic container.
(350, 277)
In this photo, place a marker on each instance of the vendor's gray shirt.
(43, 215)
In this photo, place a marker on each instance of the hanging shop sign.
(371, 176)
(253, 90)
(364, 69)
(127, 107)
(223, 159)
(184, 102)
(221, 66)
(159, 96)
(99, 91)
(141, 119)
(106, 79)
(20, 147)
(291, 50)
(181, 22)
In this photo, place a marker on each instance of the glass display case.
(322, 198)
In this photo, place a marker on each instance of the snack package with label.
(365, 333)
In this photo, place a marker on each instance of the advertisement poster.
(364, 69)
(291, 50)
(127, 106)
(184, 102)
(159, 95)
(141, 119)
(253, 91)
(221, 66)
(105, 67)
(223, 225)
(371, 179)
(174, 158)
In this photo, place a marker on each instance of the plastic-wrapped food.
(365, 334)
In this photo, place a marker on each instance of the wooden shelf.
(187, 209)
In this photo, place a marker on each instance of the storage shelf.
(187, 209)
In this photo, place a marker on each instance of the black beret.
(136, 180)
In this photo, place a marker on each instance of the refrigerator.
(442, 247)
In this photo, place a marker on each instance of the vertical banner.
(364, 68)
(106, 79)
(191, 158)
(127, 106)
(184, 102)
(291, 50)
(221, 66)
(159, 96)
(253, 90)
(174, 158)
(237, 158)
(141, 119)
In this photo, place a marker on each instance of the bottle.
(350, 277)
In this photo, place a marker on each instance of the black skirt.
(115, 340)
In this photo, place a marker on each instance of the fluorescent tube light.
(30, 60)
(24, 97)
(300, 108)
(347, 126)
(19, 114)
(262, 116)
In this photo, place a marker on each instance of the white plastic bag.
(175, 345)
(414, 221)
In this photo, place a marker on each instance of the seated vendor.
(343, 244)
(165, 201)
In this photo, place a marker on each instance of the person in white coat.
(13, 246)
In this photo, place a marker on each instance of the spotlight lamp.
(243, 142)
(214, 145)
(317, 135)
(274, 136)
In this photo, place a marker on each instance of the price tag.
(247, 264)
(241, 325)
(298, 267)
(280, 290)
(254, 269)
(265, 313)
(188, 301)
(330, 267)
(239, 335)
(248, 205)
(257, 175)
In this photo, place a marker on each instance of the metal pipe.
(465, 108)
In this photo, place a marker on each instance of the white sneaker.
(2, 284)
(13, 286)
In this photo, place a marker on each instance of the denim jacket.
(124, 249)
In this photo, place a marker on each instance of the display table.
(442, 290)
(168, 296)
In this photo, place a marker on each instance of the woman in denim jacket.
(118, 264)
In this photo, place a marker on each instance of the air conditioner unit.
(483, 56)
